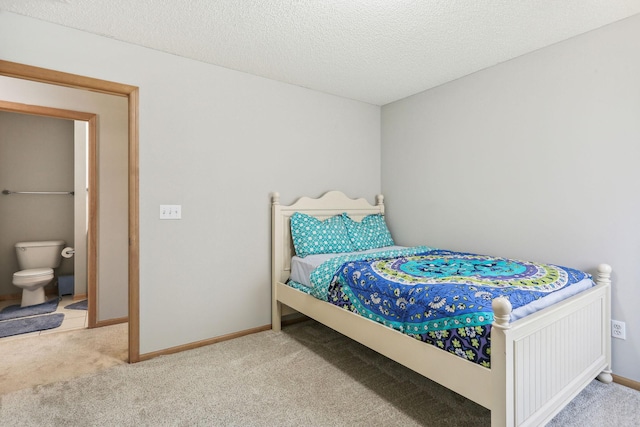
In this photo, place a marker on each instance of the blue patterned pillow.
(313, 236)
(370, 233)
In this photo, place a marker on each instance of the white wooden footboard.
(541, 362)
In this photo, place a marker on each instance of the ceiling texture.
(376, 51)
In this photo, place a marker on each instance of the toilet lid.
(34, 272)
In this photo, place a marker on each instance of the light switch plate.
(170, 211)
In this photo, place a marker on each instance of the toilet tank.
(42, 254)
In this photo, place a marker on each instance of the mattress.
(437, 296)
(301, 269)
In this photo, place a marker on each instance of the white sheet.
(301, 269)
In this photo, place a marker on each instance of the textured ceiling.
(376, 51)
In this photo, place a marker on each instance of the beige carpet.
(48, 358)
(306, 375)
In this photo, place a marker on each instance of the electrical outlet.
(170, 211)
(618, 329)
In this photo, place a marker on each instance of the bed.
(538, 363)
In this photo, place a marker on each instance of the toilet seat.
(32, 275)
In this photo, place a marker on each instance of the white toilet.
(36, 261)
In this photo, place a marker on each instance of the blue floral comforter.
(437, 296)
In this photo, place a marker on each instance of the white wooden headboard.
(329, 204)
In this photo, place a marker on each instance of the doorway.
(84, 229)
(26, 72)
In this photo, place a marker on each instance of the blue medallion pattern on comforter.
(437, 296)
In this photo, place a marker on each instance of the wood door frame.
(43, 75)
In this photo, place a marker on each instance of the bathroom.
(106, 259)
(43, 154)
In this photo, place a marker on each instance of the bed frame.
(538, 363)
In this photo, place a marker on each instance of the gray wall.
(36, 154)
(217, 142)
(535, 158)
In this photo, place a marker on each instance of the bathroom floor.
(73, 319)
